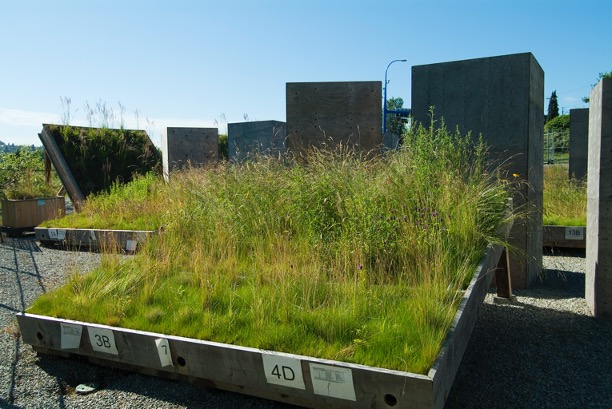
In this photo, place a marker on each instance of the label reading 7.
(163, 350)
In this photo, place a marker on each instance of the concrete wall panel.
(501, 98)
(578, 143)
(257, 137)
(329, 113)
(598, 286)
(194, 146)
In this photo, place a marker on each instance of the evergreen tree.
(553, 107)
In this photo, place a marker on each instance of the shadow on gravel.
(532, 357)
(72, 372)
(23, 243)
(556, 284)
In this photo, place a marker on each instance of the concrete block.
(598, 277)
(501, 98)
(257, 137)
(578, 144)
(325, 114)
(189, 146)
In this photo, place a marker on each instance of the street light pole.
(385, 97)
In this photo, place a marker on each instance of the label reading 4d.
(282, 370)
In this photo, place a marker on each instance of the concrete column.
(578, 143)
(256, 137)
(598, 285)
(501, 98)
(193, 146)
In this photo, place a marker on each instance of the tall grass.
(565, 199)
(342, 256)
(138, 205)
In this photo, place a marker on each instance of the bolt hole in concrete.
(181, 361)
(39, 336)
(390, 400)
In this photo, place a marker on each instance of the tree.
(553, 107)
(602, 75)
(395, 123)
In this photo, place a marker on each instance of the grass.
(336, 255)
(565, 199)
(138, 205)
(100, 157)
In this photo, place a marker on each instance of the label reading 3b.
(102, 340)
(282, 370)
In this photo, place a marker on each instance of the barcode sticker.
(333, 381)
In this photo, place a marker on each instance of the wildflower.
(516, 175)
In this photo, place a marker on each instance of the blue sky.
(207, 63)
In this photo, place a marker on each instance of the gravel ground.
(543, 351)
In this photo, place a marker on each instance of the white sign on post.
(282, 370)
(70, 335)
(102, 340)
(333, 381)
(163, 350)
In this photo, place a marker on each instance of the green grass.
(565, 199)
(337, 255)
(138, 205)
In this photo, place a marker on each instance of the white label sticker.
(282, 370)
(333, 381)
(163, 350)
(574, 233)
(102, 340)
(71, 335)
(130, 245)
(58, 234)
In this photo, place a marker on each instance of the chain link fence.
(556, 146)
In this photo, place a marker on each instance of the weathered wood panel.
(325, 114)
(28, 213)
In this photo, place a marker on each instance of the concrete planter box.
(300, 380)
(93, 239)
(565, 236)
(29, 213)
